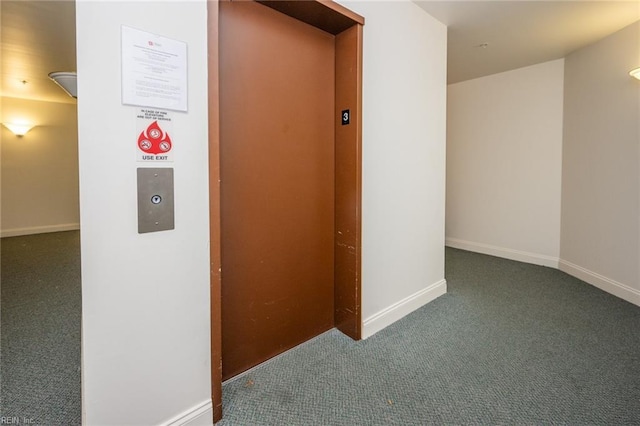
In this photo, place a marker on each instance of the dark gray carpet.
(40, 327)
(511, 343)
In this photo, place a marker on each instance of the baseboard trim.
(16, 232)
(198, 415)
(616, 288)
(613, 287)
(400, 309)
(518, 255)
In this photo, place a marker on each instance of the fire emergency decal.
(154, 140)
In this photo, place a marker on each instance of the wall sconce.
(18, 129)
(635, 73)
(68, 81)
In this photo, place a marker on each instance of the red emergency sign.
(154, 140)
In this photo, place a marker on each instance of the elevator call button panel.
(155, 200)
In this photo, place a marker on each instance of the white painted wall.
(145, 313)
(403, 156)
(39, 170)
(504, 160)
(601, 173)
(145, 297)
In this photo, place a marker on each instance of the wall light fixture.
(18, 129)
(635, 73)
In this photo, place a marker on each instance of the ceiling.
(487, 37)
(38, 37)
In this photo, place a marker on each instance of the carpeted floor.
(40, 327)
(510, 344)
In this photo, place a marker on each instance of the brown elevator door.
(277, 89)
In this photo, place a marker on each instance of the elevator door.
(277, 89)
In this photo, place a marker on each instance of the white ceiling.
(521, 33)
(38, 37)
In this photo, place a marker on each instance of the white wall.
(146, 342)
(403, 156)
(504, 159)
(39, 170)
(145, 297)
(601, 174)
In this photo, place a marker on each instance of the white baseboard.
(616, 288)
(400, 309)
(520, 256)
(198, 415)
(15, 232)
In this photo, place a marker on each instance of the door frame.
(347, 27)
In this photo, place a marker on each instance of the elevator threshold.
(262, 364)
